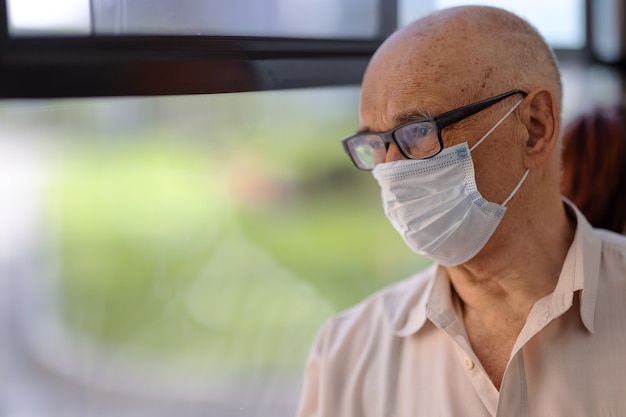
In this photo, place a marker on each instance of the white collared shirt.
(404, 352)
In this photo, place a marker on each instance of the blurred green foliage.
(228, 252)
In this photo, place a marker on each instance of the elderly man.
(523, 312)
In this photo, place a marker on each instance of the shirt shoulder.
(399, 309)
(612, 240)
(613, 254)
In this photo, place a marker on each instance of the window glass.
(281, 18)
(176, 256)
(561, 22)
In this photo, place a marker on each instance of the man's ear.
(542, 122)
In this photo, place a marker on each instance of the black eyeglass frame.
(443, 120)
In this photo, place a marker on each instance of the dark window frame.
(96, 66)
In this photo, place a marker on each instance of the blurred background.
(175, 256)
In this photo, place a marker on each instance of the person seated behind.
(594, 166)
(522, 312)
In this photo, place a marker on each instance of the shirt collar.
(432, 299)
(581, 267)
(407, 311)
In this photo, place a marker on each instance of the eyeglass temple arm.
(453, 116)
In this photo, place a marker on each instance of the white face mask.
(435, 204)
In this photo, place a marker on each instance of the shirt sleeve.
(310, 400)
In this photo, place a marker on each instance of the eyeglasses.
(418, 139)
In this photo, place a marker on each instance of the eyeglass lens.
(367, 150)
(416, 140)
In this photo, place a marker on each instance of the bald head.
(463, 53)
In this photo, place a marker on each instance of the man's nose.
(393, 153)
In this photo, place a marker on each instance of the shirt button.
(469, 363)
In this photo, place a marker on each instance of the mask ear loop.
(517, 187)
(519, 184)
(496, 125)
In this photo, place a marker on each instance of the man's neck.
(499, 287)
(518, 266)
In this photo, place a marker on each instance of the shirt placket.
(513, 397)
(481, 382)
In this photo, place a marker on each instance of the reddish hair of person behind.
(594, 166)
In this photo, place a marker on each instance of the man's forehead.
(419, 74)
(385, 114)
(394, 94)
